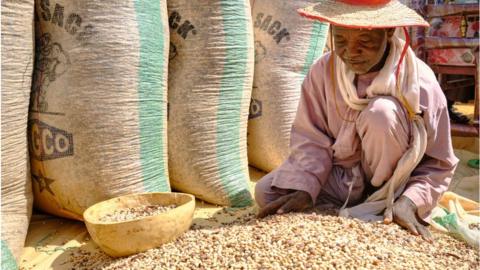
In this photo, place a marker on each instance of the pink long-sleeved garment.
(325, 149)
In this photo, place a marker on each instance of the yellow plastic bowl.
(137, 235)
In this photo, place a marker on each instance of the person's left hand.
(404, 213)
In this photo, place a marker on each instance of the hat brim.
(392, 14)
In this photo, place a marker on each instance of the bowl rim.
(89, 219)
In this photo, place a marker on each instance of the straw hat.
(363, 13)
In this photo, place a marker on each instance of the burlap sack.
(17, 63)
(8, 260)
(98, 108)
(210, 79)
(285, 47)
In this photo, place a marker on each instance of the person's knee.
(382, 113)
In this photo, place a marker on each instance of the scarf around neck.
(384, 83)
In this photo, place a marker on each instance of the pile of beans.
(125, 214)
(295, 241)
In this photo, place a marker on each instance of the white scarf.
(385, 84)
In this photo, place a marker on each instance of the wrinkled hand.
(293, 202)
(404, 213)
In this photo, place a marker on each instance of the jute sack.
(17, 63)
(98, 108)
(210, 80)
(286, 45)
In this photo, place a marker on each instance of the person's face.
(360, 49)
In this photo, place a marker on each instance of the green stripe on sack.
(317, 44)
(232, 175)
(151, 85)
(8, 261)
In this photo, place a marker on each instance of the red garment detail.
(365, 2)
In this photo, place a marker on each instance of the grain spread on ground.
(125, 214)
(294, 241)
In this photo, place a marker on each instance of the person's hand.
(404, 213)
(293, 202)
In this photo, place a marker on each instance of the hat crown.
(365, 2)
(368, 14)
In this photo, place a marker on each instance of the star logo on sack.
(43, 183)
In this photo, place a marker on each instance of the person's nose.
(353, 50)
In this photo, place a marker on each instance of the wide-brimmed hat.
(363, 13)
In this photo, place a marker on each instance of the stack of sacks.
(286, 45)
(17, 62)
(210, 81)
(97, 124)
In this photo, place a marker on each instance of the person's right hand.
(293, 202)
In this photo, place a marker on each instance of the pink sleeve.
(310, 160)
(433, 175)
